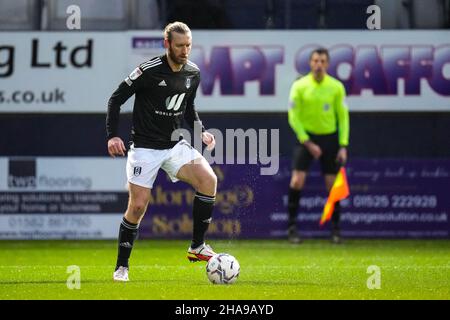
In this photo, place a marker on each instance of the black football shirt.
(163, 99)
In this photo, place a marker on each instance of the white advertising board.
(242, 71)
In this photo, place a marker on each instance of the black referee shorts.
(329, 143)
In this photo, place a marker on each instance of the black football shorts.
(329, 143)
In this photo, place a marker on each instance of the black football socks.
(202, 215)
(293, 199)
(128, 232)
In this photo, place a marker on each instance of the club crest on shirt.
(326, 107)
(137, 171)
(188, 83)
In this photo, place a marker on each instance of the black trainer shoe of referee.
(293, 235)
(336, 236)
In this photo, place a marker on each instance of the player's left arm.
(192, 118)
(343, 121)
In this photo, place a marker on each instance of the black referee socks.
(293, 199)
(336, 217)
(201, 213)
(128, 232)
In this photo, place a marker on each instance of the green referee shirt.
(318, 108)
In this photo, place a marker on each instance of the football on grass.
(222, 268)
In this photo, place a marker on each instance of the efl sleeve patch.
(135, 74)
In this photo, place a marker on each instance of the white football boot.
(201, 253)
(121, 274)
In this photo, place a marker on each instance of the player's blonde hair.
(176, 26)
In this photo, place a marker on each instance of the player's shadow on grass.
(283, 283)
(47, 282)
(167, 281)
(86, 281)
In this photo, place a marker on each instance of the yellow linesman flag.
(339, 191)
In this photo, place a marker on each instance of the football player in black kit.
(164, 89)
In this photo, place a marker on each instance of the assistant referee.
(319, 117)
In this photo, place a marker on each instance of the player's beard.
(174, 58)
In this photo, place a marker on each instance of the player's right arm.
(294, 118)
(126, 89)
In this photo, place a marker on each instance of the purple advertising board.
(389, 198)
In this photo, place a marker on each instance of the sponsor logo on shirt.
(174, 102)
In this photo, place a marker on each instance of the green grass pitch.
(316, 269)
